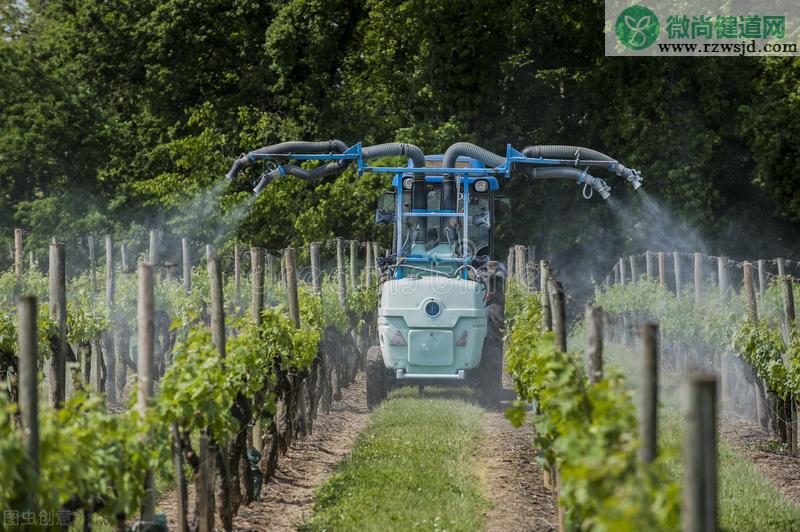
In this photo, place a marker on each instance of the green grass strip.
(411, 468)
(747, 499)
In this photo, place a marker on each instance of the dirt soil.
(287, 500)
(758, 448)
(520, 500)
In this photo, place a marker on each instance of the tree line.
(122, 114)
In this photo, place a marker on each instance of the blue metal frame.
(513, 157)
(465, 177)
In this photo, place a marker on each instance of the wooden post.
(368, 265)
(92, 366)
(616, 274)
(145, 373)
(18, 254)
(788, 307)
(762, 281)
(31, 259)
(793, 428)
(722, 273)
(724, 358)
(58, 314)
(791, 330)
(698, 278)
(622, 273)
(92, 267)
(648, 264)
(557, 301)
(256, 283)
(282, 279)
(530, 266)
(353, 264)
(700, 455)
(217, 301)
(544, 297)
(181, 492)
(752, 306)
(752, 315)
(204, 487)
(153, 255)
(519, 269)
(257, 299)
(594, 342)
(108, 336)
(291, 284)
(648, 398)
(316, 273)
(237, 276)
(676, 258)
(340, 274)
(662, 269)
(28, 384)
(510, 263)
(270, 271)
(374, 264)
(186, 259)
(781, 267)
(123, 253)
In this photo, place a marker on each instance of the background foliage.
(121, 114)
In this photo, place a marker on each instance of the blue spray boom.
(537, 162)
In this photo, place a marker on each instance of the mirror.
(386, 203)
(383, 218)
(502, 209)
(481, 220)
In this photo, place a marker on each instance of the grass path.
(747, 499)
(412, 467)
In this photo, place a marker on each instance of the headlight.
(408, 182)
(481, 185)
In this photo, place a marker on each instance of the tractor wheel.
(376, 377)
(490, 372)
(490, 369)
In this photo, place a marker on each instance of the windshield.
(444, 235)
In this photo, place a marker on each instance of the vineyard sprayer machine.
(442, 290)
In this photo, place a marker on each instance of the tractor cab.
(431, 239)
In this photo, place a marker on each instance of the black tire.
(376, 377)
(490, 372)
(490, 369)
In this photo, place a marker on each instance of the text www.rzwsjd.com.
(740, 48)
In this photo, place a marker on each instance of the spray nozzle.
(595, 183)
(243, 160)
(634, 177)
(267, 178)
(600, 186)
